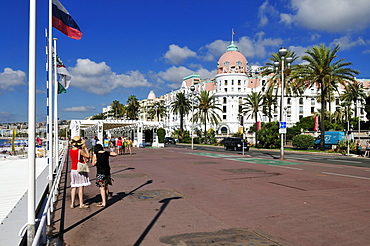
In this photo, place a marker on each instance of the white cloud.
(330, 15)
(11, 78)
(346, 43)
(263, 11)
(79, 109)
(176, 55)
(215, 49)
(248, 46)
(257, 47)
(98, 78)
(174, 75)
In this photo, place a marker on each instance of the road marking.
(321, 165)
(344, 175)
(349, 161)
(287, 167)
(294, 158)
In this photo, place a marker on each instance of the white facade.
(232, 83)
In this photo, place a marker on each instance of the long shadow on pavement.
(118, 197)
(165, 202)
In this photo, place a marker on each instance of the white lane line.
(296, 158)
(321, 165)
(350, 161)
(287, 167)
(344, 175)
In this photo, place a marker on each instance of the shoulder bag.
(82, 167)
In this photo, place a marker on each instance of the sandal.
(72, 206)
(84, 206)
(101, 205)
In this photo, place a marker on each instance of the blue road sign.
(282, 124)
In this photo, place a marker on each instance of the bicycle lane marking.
(252, 160)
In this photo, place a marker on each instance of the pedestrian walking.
(103, 176)
(367, 149)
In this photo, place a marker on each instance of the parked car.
(235, 144)
(169, 140)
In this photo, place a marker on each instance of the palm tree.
(274, 81)
(118, 109)
(206, 110)
(323, 71)
(132, 107)
(181, 106)
(254, 102)
(268, 101)
(354, 92)
(158, 110)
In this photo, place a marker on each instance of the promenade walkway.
(179, 197)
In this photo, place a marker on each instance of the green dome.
(232, 47)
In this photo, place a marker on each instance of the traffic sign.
(282, 124)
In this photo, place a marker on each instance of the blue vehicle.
(331, 138)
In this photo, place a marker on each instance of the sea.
(3, 141)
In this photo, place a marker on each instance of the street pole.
(192, 88)
(282, 107)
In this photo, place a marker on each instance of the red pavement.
(198, 194)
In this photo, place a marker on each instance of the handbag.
(82, 167)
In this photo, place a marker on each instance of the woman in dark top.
(103, 179)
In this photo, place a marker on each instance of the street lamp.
(192, 88)
(282, 128)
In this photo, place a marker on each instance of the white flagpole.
(56, 86)
(50, 96)
(31, 123)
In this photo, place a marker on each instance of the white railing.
(40, 236)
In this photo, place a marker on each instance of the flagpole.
(50, 96)
(31, 124)
(56, 87)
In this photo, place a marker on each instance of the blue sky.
(133, 47)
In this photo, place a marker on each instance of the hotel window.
(232, 82)
(289, 110)
(312, 110)
(239, 82)
(232, 88)
(312, 101)
(224, 109)
(301, 101)
(240, 100)
(239, 90)
(289, 101)
(224, 100)
(300, 116)
(225, 82)
(225, 89)
(301, 109)
(337, 102)
(289, 117)
(224, 117)
(312, 91)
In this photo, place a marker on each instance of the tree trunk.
(322, 123)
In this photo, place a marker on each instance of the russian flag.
(64, 22)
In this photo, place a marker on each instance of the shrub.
(268, 137)
(161, 133)
(303, 141)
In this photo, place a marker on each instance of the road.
(179, 197)
(337, 159)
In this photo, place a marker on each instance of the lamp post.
(282, 128)
(192, 88)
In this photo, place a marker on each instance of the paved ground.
(173, 197)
